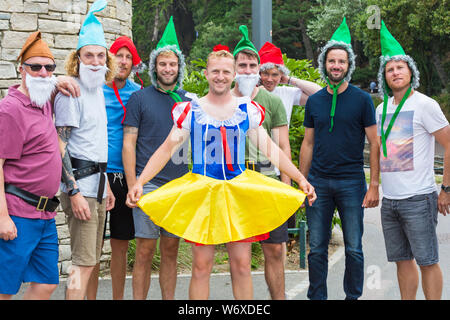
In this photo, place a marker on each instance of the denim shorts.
(409, 228)
(143, 226)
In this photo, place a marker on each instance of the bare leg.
(91, 292)
(78, 281)
(39, 291)
(119, 249)
(274, 258)
(408, 279)
(432, 281)
(202, 263)
(240, 267)
(168, 267)
(145, 249)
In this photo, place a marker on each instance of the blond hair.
(72, 65)
(219, 54)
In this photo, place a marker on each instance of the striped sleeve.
(181, 115)
(256, 114)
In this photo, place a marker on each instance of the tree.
(422, 27)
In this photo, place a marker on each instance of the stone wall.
(59, 21)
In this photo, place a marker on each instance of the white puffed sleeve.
(181, 115)
(256, 113)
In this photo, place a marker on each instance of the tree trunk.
(156, 25)
(306, 42)
(184, 25)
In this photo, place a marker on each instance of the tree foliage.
(301, 28)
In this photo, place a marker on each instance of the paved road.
(380, 281)
(380, 276)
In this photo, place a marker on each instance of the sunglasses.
(37, 67)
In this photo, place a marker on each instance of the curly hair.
(72, 65)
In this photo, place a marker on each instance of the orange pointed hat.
(34, 47)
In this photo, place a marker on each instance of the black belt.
(40, 202)
(257, 166)
(86, 168)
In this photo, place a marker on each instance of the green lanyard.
(385, 134)
(333, 104)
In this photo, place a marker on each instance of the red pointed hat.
(124, 41)
(221, 47)
(269, 53)
(138, 65)
(272, 57)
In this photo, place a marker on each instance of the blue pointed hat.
(91, 32)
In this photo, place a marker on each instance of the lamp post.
(261, 22)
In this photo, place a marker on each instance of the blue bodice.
(208, 147)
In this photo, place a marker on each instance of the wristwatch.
(73, 192)
(445, 188)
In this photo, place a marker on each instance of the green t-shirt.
(275, 117)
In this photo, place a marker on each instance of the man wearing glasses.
(30, 171)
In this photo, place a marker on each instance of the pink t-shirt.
(29, 143)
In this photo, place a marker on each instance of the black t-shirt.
(339, 153)
(150, 110)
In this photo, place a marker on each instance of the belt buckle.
(38, 207)
(251, 162)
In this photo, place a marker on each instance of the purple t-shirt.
(29, 143)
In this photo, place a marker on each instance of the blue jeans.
(347, 196)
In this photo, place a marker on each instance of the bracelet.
(289, 80)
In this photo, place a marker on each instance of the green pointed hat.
(168, 42)
(341, 39)
(342, 34)
(169, 37)
(244, 43)
(389, 45)
(392, 50)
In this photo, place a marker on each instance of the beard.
(92, 77)
(336, 79)
(168, 82)
(40, 89)
(246, 83)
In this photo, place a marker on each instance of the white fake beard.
(246, 83)
(92, 77)
(40, 89)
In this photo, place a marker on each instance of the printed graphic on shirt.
(400, 144)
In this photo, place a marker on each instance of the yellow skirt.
(211, 211)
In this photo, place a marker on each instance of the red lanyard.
(116, 91)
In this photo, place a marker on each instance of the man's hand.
(372, 197)
(309, 190)
(110, 199)
(80, 207)
(444, 203)
(284, 78)
(8, 230)
(68, 86)
(134, 195)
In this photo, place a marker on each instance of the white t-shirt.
(408, 168)
(290, 97)
(89, 136)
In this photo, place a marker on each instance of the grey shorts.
(409, 228)
(143, 226)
